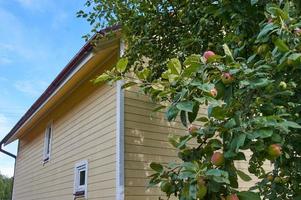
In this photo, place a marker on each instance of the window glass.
(47, 142)
(82, 177)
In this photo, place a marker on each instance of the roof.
(56, 83)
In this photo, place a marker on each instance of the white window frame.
(80, 166)
(48, 142)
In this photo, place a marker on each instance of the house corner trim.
(120, 136)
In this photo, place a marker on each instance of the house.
(86, 141)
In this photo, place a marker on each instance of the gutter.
(6, 152)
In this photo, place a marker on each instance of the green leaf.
(158, 108)
(193, 61)
(280, 44)
(228, 52)
(237, 142)
(297, 197)
(173, 140)
(219, 176)
(156, 167)
(261, 133)
(253, 2)
(143, 74)
(290, 124)
(102, 78)
(189, 166)
(295, 56)
(216, 112)
(278, 12)
(259, 83)
(192, 191)
(266, 29)
(183, 116)
(206, 87)
(158, 86)
(243, 176)
(175, 66)
(122, 64)
(248, 196)
(186, 106)
(192, 115)
(183, 141)
(171, 113)
(129, 84)
(230, 123)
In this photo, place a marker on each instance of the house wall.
(146, 141)
(146, 135)
(84, 128)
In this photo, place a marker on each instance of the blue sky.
(37, 39)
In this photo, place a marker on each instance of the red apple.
(232, 197)
(192, 130)
(297, 31)
(275, 150)
(227, 78)
(213, 92)
(208, 54)
(217, 159)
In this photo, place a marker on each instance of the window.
(80, 178)
(47, 143)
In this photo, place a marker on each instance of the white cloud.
(31, 88)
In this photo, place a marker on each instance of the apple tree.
(241, 59)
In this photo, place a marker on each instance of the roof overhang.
(78, 68)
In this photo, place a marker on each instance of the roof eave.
(62, 76)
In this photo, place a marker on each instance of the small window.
(80, 179)
(47, 143)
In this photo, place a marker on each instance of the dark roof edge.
(61, 77)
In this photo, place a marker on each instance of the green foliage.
(258, 44)
(6, 185)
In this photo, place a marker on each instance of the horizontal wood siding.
(146, 135)
(84, 128)
(146, 141)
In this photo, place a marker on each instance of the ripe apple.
(275, 150)
(192, 130)
(213, 92)
(227, 78)
(297, 31)
(232, 197)
(217, 159)
(208, 54)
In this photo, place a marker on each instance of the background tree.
(241, 59)
(5, 188)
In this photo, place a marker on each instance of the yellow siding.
(146, 141)
(84, 128)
